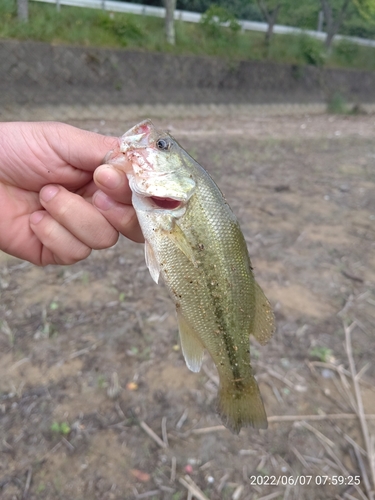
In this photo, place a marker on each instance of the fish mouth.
(139, 136)
(157, 197)
(166, 203)
(159, 205)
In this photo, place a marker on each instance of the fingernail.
(108, 177)
(102, 201)
(36, 217)
(48, 192)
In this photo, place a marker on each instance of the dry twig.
(337, 368)
(173, 469)
(328, 445)
(275, 494)
(192, 488)
(328, 416)
(300, 457)
(360, 410)
(147, 494)
(164, 431)
(152, 434)
(362, 468)
(289, 418)
(27, 485)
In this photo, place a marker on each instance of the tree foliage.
(336, 11)
(358, 18)
(366, 8)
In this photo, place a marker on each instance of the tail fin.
(240, 404)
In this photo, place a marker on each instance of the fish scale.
(200, 252)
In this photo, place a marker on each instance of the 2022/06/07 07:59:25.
(302, 480)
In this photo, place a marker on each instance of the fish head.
(154, 164)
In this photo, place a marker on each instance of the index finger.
(80, 148)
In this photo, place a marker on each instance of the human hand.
(47, 194)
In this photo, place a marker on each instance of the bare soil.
(90, 353)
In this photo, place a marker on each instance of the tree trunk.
(170, 6)
(328, 41)
(23, 10)
(272, 18)
(332, 26)
(270, 15)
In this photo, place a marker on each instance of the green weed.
(346, 52)
(40, 488)
(310, 50)
(321, 352)
(337, 104)
(125, 28)
(214, 17)
(101, 381)
(62, 428)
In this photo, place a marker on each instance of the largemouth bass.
(194, 241)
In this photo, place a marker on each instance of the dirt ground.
(90, 358)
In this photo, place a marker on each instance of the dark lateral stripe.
(223, 327)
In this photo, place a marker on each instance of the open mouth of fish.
(166, 203)
(141, 189)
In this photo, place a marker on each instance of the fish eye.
(163, 144)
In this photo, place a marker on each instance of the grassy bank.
(90, 27)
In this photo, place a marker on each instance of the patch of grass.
(310, 50)
(177, 495)
(346, 52)
(321, 353)
(91, 27)
(101, 381)
(62, 428)
(40, 488)
(337, 104)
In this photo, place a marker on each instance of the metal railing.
(195, 17)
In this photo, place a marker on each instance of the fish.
(194, 242)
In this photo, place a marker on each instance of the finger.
(78, 217)
(80, 148)
(113, 182)
(58, 245)
(122, 217)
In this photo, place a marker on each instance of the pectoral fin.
(264, 323)
(192, 347)
(179, 240)
(151, 262)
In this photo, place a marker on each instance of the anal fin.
(192, 347)
(264, 321)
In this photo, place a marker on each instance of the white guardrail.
(195, 17)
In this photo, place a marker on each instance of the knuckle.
(62, 210)
(73, 257)
(81, 253)
(107, 240)
(128, 220)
